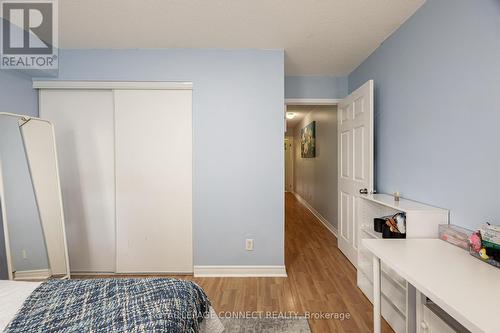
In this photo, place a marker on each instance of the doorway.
(311, 159)
(349, 167)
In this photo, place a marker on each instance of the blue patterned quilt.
(113, 305)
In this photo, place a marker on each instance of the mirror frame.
(22, 119)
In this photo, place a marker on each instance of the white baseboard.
(240, 271)
(324, 221)
(92, 273)
(35, 275)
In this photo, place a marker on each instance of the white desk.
(463, 286)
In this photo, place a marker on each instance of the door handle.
(363, 191)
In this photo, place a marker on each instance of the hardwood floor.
(320, 280)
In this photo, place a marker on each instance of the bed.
(106, 305)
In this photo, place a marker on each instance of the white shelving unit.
(398, 298)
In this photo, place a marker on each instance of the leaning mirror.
(33, 245)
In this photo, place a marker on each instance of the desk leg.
(377, 322)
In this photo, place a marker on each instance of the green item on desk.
(491, 245)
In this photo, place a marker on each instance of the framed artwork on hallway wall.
(308, 141)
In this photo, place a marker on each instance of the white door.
(288, 164)
(153, 135)
(355, 146)
(83, 124)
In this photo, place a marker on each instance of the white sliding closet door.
(84, 122)
(153, 131)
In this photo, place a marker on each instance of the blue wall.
(315, 87)
(17, 94)
(437, 108)
(238, 130)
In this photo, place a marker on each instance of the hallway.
(324, 279)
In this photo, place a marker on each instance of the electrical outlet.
(249, 244)
(25, 256)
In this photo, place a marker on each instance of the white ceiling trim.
(312, 101)
(107, 85)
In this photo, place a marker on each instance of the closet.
(125, 154)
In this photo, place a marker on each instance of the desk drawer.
(433, 324)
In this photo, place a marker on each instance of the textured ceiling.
(301, 112)
(320, 37)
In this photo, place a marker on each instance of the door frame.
(312, 101)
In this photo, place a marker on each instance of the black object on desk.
(387, 233)
(378, 224)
